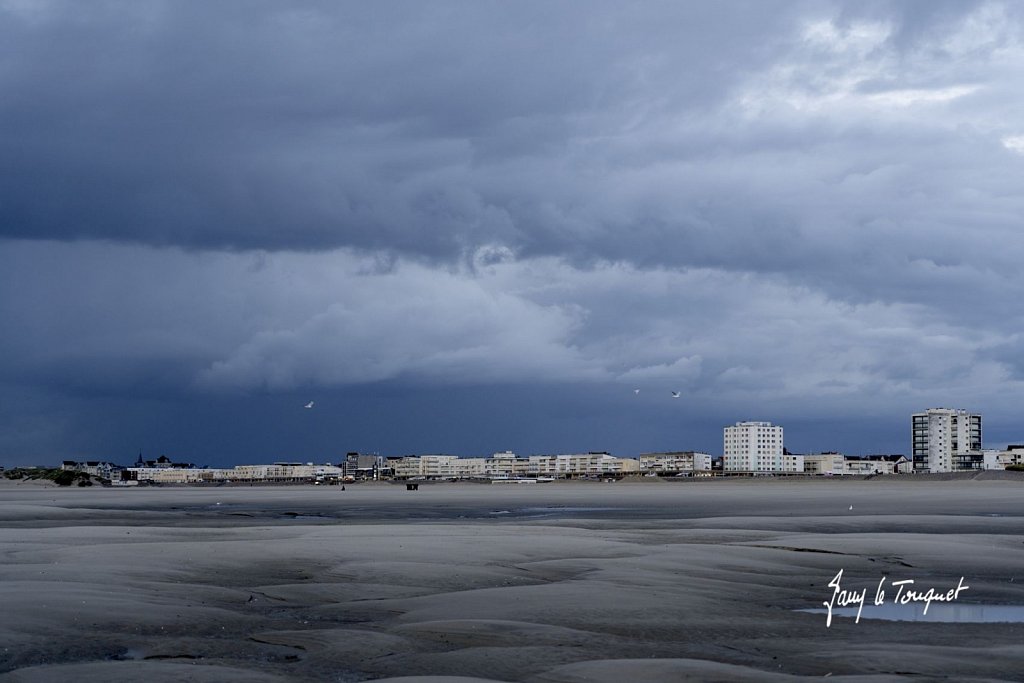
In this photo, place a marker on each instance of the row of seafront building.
(500, 466)
(505, 466)
(943, 440)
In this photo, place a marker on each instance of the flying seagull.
(636, 391)
(675, 394)
(309, 405)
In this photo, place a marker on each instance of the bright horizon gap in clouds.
(467, 239)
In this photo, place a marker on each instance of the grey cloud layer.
(683, 134)
(186, 322)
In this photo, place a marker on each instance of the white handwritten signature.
(904, 595)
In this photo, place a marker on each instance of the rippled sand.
(551, 582)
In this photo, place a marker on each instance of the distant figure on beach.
(309, 405)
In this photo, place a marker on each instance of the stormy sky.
(462, 227)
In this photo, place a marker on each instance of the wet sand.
(548, 583)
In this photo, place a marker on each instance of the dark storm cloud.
(420, 128)
(773, 137)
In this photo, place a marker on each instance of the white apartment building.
(426, 466)
(471, 468)
(438, 465)
(946, 440)
(165, 475)
(675, 462)
(250, 472)
(421, 466)
(757, 447)
(506, 464)
(573, 465)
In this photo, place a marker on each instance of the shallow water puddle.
(944, 613)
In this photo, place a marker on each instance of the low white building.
(861, 466)
(506, 464)
(471, 468)
(280, 472)
(214, 474)
(878, 464)
(165, 475)
(675, 462)
(573, 465)
(995, 459)
(406, 467)
(837, 464)
(825, 464)
(438, 466)
(249, 473)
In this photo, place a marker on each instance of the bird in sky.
(636, 391)
(309, 405)
(675, 394)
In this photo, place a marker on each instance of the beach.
(552, 583)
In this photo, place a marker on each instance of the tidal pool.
(948, 613)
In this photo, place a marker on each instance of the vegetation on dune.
(56, 475)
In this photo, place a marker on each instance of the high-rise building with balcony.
(946, 440)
